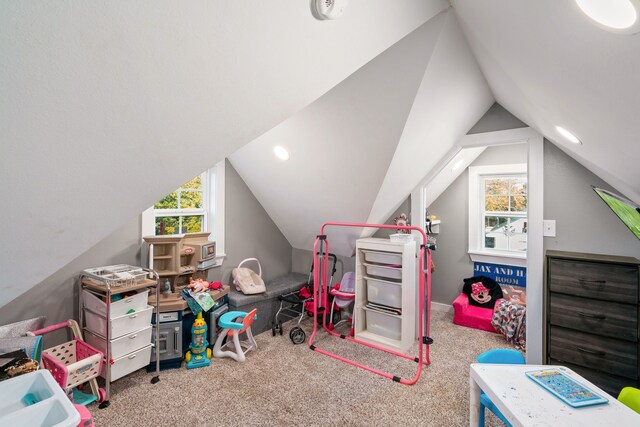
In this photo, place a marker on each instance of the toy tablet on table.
(565, 388)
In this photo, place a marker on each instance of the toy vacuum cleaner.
(199, 353)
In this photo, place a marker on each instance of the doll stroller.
(294, 304)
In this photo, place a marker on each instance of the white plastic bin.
(391, 258)
(383, 292)
(400, 237)
(121, 325)
(383, 324)
(123, 345)
(136, 302)
(130, 362)
(394, 273)
(35, 399)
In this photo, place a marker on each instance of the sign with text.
(502, 274)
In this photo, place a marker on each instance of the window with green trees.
(504, 213)
(183, 210)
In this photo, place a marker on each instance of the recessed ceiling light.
(571, 137)
(457, 165)
(281, 152)
(613, 15)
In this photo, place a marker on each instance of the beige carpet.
(283, 384)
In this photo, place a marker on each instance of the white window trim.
(214, 221)
(476, 251)
(535, 210)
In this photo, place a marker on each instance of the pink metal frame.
(423, 353)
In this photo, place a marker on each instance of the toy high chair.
(234, 329)
(344, 294)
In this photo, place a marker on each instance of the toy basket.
(72, 363)
(120, 275)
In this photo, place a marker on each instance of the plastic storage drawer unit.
(121, 325)
(131, 362)
(383, 324)
(380, 257)
(394, 273)
(384, 293)
(135, 302)
(35, 399)
(123, 345)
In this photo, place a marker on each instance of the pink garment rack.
(320, 280)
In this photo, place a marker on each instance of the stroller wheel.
(273, 328)
(280, 326)
(297, 335)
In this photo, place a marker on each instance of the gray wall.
(302, 259)
(404, 208)
(495, 119)
(584, 223)
(249, 232)
(452, 207)
(56, 296)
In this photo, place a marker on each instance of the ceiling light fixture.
(281, 152)
(568, 135)
(613, 15)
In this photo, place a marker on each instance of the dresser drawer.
(612, 384)
(604, 318)
(603, 354)
(604, 281)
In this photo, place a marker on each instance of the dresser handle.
(597, 282)
(594, 352)
(593, 316)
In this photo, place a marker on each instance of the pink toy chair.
(344, 293)
(472, 316)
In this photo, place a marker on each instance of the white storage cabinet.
(386, 275)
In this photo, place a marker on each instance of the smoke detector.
(328, 9)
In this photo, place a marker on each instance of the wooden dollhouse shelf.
(175, 256)
(163, 273)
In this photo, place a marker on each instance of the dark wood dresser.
(592, 325)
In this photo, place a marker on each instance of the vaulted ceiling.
(105, 107)
(550, 65)
(358, 151)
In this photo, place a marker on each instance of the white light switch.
(549, 228)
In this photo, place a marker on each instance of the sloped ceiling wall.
(105, 107)
(453, 94)
(549, 65)
(358, 151)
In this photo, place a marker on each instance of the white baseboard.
(442, 308)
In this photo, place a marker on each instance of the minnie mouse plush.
(482, 291)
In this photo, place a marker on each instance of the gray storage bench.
(266, 303)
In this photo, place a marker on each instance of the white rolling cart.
(386, 286)
(121, 329)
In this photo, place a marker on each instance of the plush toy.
(482, 291)
(215, 285)
(198, 285)
(401, 221)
